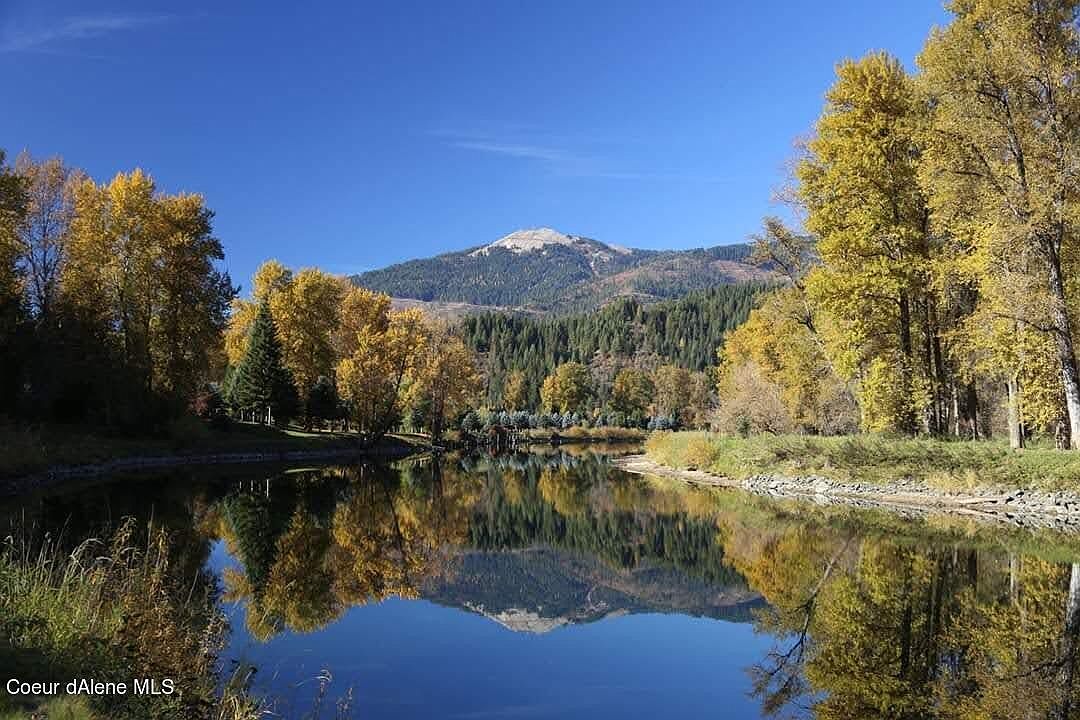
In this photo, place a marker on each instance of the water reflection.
(868, 616)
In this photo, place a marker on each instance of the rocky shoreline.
(1024, 508)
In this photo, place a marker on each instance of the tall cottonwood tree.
(193, 296)
(140, 270)
(446, 380)
(631, 393)
(858, 184)
(515, 392)
(1002, 158)
(43, 233)
(567, 389)
(380, 352)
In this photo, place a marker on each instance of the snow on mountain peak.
(536, 239)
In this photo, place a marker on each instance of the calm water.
(555, 586)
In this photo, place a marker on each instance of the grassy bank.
(870, 459)
(112, 611)
(31, 450)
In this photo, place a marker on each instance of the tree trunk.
(1059, 316)
(908, 421)
(972, 409)
(956, 411)
(1016, 431)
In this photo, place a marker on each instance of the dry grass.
(871, 458)
(113, 610)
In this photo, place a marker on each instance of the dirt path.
(1026, 508)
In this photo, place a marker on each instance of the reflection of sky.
(415, 659)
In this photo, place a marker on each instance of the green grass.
(111, 610)
(30, 450)
(61, 708)
(871, 459)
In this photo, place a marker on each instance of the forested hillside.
(627, 332)
(546, 270)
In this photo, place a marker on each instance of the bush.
(207, 402)
(470, 423)
(700, 452)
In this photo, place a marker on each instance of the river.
(553, 585)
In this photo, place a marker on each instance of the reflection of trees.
(316, 543)
(779, 680)
(886, 627)
(1015, 645)
(306, 560)
(572, 503)
(868, 624)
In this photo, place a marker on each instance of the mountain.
(543, 269)
(539, 589)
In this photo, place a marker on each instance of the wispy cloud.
(530, 152)
(557, 158)
(24, 39)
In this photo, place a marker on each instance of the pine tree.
(262, 381)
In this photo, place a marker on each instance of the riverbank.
(39, 458)
(112, 611)
(1035, 487)
(1058, 510)
(944, 465)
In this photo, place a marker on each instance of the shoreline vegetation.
(56, 452)
(982, 479)
(38, 459)
(111, 609)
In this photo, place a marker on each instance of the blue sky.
(350, 135)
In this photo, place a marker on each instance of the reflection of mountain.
(540, 589)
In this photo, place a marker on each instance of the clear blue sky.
(351, 135)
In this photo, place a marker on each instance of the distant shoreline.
(55, 475)
(1024, 508)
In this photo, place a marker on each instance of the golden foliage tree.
(140, 266)
(1002, 159)
(384, 350)
(446, 379)
(567, 389)
(632, 392)
(515, 393)
(864, 205)
(306, 308)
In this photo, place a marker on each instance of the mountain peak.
(536, 239)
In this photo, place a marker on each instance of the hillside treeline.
(624, 334)
(943, 206)
(560, 278)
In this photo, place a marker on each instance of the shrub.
(701, 452)
(207, 402)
